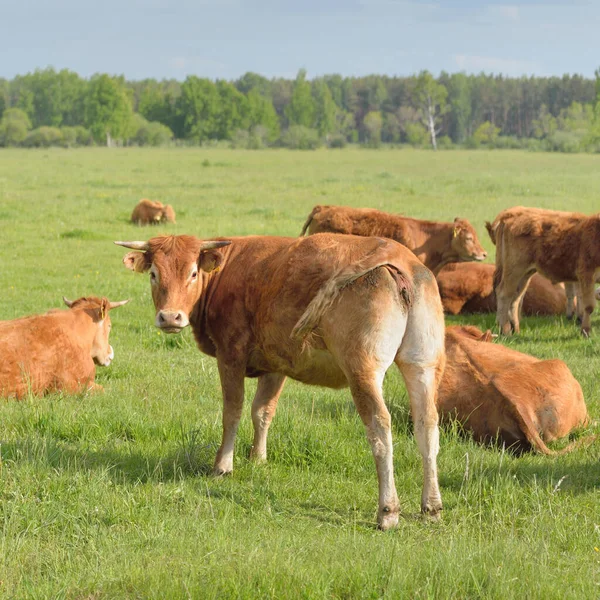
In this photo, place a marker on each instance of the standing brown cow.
(57, 350)
(504, 396)
(152, 212)
(326, 310)
(562, 246)
(433, 243)
(469, 288)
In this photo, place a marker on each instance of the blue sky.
(225, 38)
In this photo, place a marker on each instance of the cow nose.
(171, 319)
(484, 254)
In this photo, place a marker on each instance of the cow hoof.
(221, 471)
(388, 519)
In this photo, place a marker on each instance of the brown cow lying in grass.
(330, 310)
(56, 351)
(562, 246)
(433, 243)
(504, 396)
(469, 288)
(152, 212)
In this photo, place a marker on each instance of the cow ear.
(136, 262)
(104, 306)
(487, 336)
(210, 260)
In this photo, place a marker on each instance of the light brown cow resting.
(326, 310)
(469, 288)
(562, 246)
(152, 212)
(507, 397)
(433, 243)
(57, 350)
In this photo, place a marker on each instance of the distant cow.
(433, 243)
(469, 288)
(329, 310)
(504, 396)
(573, 298)
(152, 212)
(57, 350)
(562, 246)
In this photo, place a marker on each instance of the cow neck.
(84, 320)
(440, 236)
(210, 283)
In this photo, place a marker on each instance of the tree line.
(49, 107)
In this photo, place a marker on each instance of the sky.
(223, 39)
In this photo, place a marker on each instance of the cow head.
(465, 241)
(167, 214)
(178, 266)
(97, 308)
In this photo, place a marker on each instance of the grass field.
(109, 495)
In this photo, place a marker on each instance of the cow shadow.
(122, 465)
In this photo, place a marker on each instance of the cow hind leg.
(369, 402)
(571, 295)
(509, 292)
(264, 406)
(515, 305)
(421, 387)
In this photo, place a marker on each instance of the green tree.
(486, 133)
(325, 108)
(233, 111)
(373, 123)
(301, 109)
(459, 98)
(198, 107)
(545, 125)
(430, 97)
(262, 114)
(14, 127)
(108, 109)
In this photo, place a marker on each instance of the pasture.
(110, 495)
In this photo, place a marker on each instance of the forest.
(61, 108)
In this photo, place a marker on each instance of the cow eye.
(194, 274)
(152, 275)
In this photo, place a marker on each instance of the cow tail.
(330, 291)
(498, 235)
(491, 231)
(314, 211)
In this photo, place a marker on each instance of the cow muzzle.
(171, 321)
(105, 362)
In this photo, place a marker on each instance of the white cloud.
(506, 66)
(510, 12)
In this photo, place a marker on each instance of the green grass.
(109, 495)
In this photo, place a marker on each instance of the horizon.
(355, 38)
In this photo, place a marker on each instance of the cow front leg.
(232, 385)
(264, 406)
(422, 387)
(588, 302)
(376, 418)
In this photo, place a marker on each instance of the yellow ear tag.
(216, 269)
(454, 232)
(102, 313)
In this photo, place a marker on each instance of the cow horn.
(117, 304)
(69, 303)
(212, 245)
(143, 246)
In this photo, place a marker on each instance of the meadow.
(110, 495)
